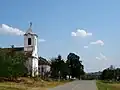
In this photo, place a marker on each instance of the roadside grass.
(9, 88)
(107, 86)
(56, 83)
(30, 84)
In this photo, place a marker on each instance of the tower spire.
(30, 28)
(30, 24)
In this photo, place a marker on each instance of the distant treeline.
(108, 74)
(111, 73)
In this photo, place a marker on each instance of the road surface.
(77, 85)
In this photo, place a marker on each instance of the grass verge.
(107, 86)
(30, 84)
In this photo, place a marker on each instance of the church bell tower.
(30, 46)
(30, 40)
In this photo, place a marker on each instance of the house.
(43, 66)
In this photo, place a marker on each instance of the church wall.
(46, 68)
(36, 46)
(32, 63)
(35, 66)
(26, 46)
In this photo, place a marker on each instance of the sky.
(89, 28)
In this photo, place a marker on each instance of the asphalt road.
(77, 85)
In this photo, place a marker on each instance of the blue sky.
(54, 20)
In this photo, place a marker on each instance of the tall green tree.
(59, 68)
(76, 69)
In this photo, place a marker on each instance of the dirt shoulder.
(30, 84)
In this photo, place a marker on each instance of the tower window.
(29, 41)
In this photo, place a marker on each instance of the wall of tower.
(35, 47)
(35, 55)
(34, 66)
(30, 45)
(32, 63)
(26, 46)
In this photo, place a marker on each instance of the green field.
(107, 86)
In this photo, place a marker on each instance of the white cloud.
(98, 58)
(81, 33)
(103, 56)
(73, 34)
(41, 40)
(8, 30)
(100, 42)
(5, 29)
(85, 46)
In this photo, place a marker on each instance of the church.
(31, 47)
(35, 64)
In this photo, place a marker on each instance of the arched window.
(29, 41)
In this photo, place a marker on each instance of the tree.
(12, 64)
(59, 68)
(75, 66)
(117, 74)
(54, 68)
(111, 73)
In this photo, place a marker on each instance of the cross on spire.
(30, 24)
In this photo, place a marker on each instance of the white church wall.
(32, 63)
(26, 46)
(35, 48)
(34, 67)
(36, 44)
(46, 68)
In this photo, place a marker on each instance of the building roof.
(29, 31)
(14, 48)
(43, 61)
(18, 49)
(30, 34)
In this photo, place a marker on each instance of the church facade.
(31, 47)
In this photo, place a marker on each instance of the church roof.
(15, 49)
(29, 31)
(31, 34)
(43, 61)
